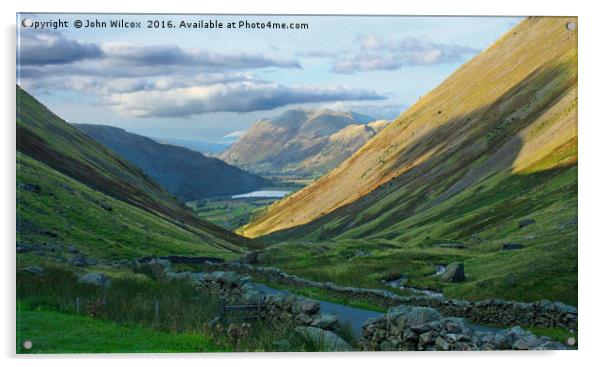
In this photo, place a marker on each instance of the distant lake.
(262, 194)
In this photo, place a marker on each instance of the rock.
(386, 346)
(550, 345)
(319, 339)
(72, 249)
(454, 273)
(79, 260)
(525, 222)
(305, 305)
(35, 270)
(526, 342)
(252, 258)
(441, 344)
(512, 246)
(106, 207)
(253, 297)
(505, 339)
(98, 279)
(327, 322)
(166, 264)
(304, 319)
(30, 187)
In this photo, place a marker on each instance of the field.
(59, 332)
(227, 212)
(140, 312)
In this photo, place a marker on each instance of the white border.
(590, 110)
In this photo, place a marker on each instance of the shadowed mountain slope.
(46, 138)
(186, 174)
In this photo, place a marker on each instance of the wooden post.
(157, 310)
(77, 304)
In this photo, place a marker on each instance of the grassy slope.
(47, 138)
(74, 213)
(464, 164)
(56, 332)
(187, 174)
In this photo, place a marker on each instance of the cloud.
(229, 97)
(165, 80)
(375, 53)
(379, 110)
(161, 55)
(51, 47)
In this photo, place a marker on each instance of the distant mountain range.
(205, 147)
(187, 174)
(302, 142)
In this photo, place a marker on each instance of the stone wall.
(499, 312)
(277, 308)
(422, 328)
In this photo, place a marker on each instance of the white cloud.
(237, 96)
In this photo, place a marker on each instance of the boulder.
(72, 249)
(81, 260)
(454, 273)
(98, 279)
(305, 305)
(315, 338)
(35, 270)
(327, 322)
(252, 297)
(525, 222)
(512, 246)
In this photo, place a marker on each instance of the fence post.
(77, 304)
(156, 309)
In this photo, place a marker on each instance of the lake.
(262, 194)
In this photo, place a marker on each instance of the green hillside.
(73, 191)
(494, 144)
(58, 212)
(186, 174)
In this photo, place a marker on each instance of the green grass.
(227, 212)
(483, 218)
(129, 304)
(65, 212)
(58, 332)
(59, 147)
(557, 334)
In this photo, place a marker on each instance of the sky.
(204, 84)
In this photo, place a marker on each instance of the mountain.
(205, 147)
(487, 158)
(75, 191)
(186, 174)
(301, 142)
